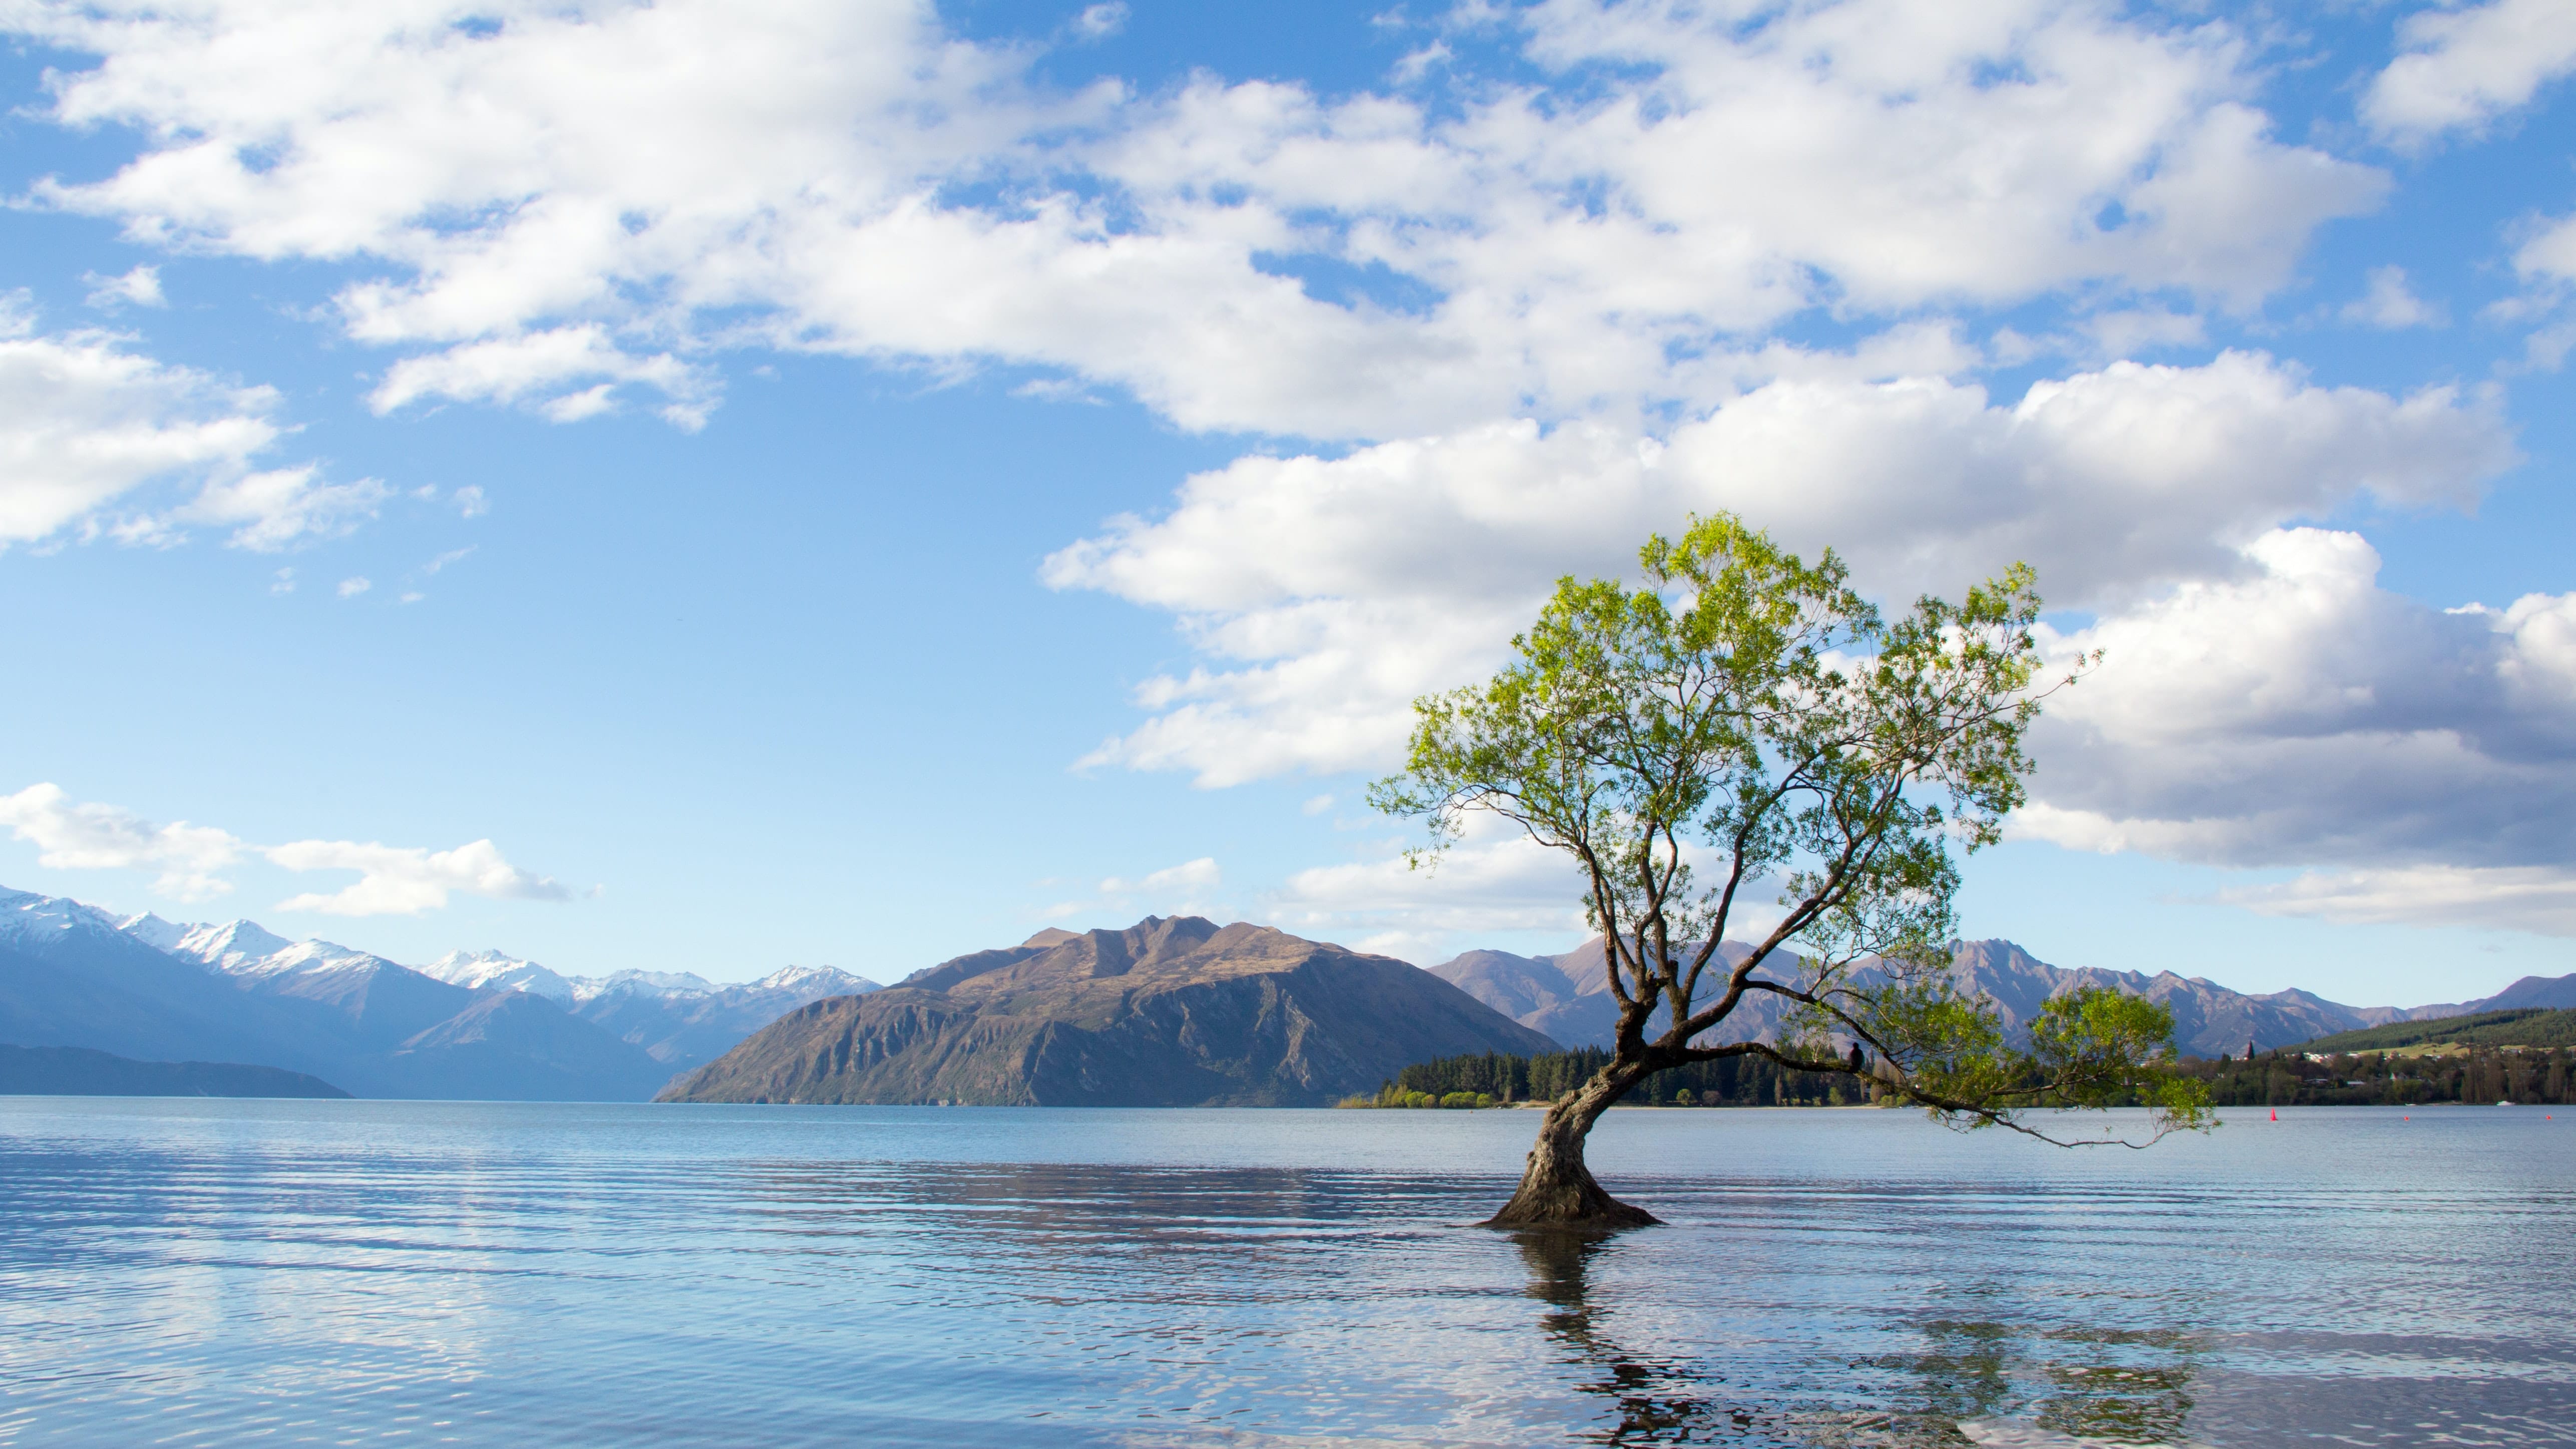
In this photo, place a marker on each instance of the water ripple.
(205, 1273)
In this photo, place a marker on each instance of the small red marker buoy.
(2276, 1114)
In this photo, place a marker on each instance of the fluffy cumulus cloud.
(1494, 880)
(405, 881)
(566, 206)
(71, 836)
(1326, 593)
(1504, 320)
(392, 880)
(99, 440)
(2307, 716)
(2464, 67)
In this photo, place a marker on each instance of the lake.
(224, 1272)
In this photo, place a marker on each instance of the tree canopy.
(1746, 731)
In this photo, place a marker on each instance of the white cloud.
(392, 880)
(282, 582)
(1493, 882)
(89, 427)
(1324, 594)
(2307, 717)
(566, 207)
(1099, 22)
(407, 881)
(103, 837)
(1174, 890)
(1187, 876)
(352, 587)
(2538, 899)
(2550, 253)
(548, 364)
(2464, 67)
(139, 287)
(2389, 303)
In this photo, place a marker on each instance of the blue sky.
(700, 489)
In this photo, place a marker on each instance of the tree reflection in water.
(2098, 1386)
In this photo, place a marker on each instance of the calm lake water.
(213, 1272)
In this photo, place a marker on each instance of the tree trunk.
(1557, 1190)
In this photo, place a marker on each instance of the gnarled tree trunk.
(1557, 1190)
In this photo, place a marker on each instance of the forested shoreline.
(2284, 1078)
(1494, 1079)
(2395, 1079)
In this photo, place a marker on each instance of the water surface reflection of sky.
(229, 1272)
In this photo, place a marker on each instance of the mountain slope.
(2522, 1026)
(1568, 997)
(72, 976)
(80, 1072)
(684, 1029)
(678, 1018)
(1171, 1012)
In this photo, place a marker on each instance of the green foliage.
(2475, 1075)
(1754, 711)
(2090, 1047)
(1392, 1095)
(1736, 1081)
(2531, 1026)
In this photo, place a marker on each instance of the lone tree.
(1746, 717)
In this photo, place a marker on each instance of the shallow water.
(220, 1272)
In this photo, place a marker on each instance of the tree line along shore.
(1494, 1079)
(2524, 1056)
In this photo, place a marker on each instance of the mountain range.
(1167, 1013)
(1568, 997)
(470, 1026)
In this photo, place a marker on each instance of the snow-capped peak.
(645, 983)
(234, 948)
(822, 981)
(491, 970)
(27, 913)
(153, 931)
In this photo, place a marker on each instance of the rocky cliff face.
(1167, 1013)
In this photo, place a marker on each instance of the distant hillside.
(80, 1072)
(2530, 1026)
(73, 976)
(1166, 1013)
(1567, 997)
(678, 1018)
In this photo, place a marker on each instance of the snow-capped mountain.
(472, 1024)
(496, 971)
(245, 949)
(31, 919)
(501, 973)
(677, 1018)
(148, 990)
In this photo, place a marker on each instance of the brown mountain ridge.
(1175, 1012)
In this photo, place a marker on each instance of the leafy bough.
(1752, 716)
